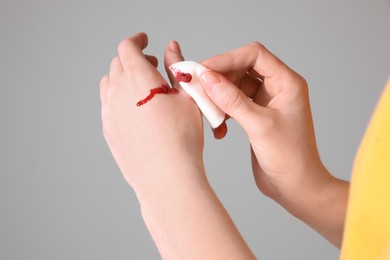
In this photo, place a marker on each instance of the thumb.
(229, 98)
(172, 55)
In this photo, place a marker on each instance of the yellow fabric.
(367, 229)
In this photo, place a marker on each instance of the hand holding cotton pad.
(188, 74)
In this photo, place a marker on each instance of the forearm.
(321, 203)
(186, 219)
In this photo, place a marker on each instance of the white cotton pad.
(188, 75)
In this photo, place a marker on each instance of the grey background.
(61, 194)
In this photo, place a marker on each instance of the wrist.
(320, 201)
(185, 217)
(147, 165)
(161, 180)
(306, 190)
(293, 187)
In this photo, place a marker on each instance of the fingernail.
(209, 78)
(174, 46)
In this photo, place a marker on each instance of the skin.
(271, 102)
(159, 148)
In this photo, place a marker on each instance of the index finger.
(252, 56)
(130, 50)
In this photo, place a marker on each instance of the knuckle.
(103, 81)
(115, 62)
(299, 84)
(257, 46)
(233, 102)
(304, 86)
(301, 81)
(124, 45)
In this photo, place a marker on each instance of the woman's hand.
(158, 147)
(271, 102)
(162, 134)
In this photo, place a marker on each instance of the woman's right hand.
(271, 102)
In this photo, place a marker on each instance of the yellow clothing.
(367, 228)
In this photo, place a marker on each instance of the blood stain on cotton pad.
(182, 76)
(188, 74)
(164, 89)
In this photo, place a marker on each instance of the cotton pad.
(188, 74)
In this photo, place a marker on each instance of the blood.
(164, 89)
(183, 77)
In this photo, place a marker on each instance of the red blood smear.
(164, 89)
(182, 76)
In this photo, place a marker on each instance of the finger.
(229, 98)
(249, 85)
(221, 131)
(252, 56)
(255, 74)
(152, 59)
(103, 88)
(263, 96)
(130, 50)
(116, 68)
(172, 55)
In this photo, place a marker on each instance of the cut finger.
(172, 55)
